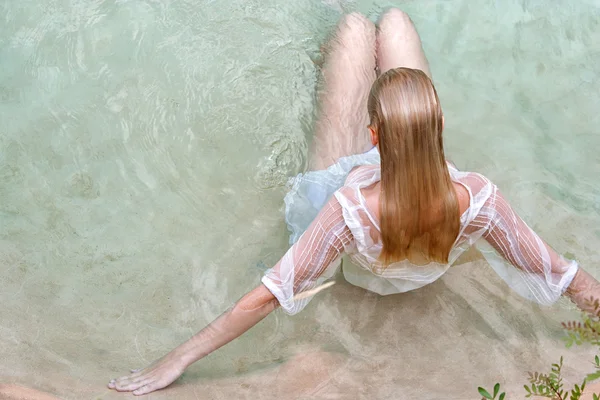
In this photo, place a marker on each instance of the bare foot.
(158, 375)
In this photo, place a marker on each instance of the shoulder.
(360, 173)
(473, 190)
(345, 196)
(475, 182)
(462, 195)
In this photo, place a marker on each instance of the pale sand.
(440, 342)
(15, 392)
(119, 239)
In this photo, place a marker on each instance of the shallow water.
(144, 150)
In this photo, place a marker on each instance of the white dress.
(328, 217)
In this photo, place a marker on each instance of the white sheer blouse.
(346, 226)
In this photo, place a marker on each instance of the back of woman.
(406, 217)
(486, 221)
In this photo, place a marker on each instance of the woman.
(403, 222)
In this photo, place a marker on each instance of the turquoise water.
(144, 151)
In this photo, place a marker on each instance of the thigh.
(346, 79)
(399, 44)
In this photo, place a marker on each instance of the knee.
(356, 27)
(394, 19)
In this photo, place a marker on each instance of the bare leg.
(398, 43)
(347, 76)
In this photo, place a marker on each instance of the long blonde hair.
(419, 210)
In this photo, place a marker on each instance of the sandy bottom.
(443, 341)
(144, 150)
(15, 392)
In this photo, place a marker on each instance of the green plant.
(586, 331)
(594, 375)
(551, 385)
(486, 394)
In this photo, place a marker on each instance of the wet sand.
(143, 157)
(442, 341)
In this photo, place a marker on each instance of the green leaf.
(597, 360)
(527, 388)
(593, 376)
(484, 393)
(596, 397)
(496, 389)
(502, 396)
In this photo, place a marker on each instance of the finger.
(151, 387)
(113, 382)
(141, 377)
(121, 381)
(131, 386)
(129, 377)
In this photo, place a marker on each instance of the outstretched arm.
(541, 274)
(298, 271)
(246, 313)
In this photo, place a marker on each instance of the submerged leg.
(398, 43)
(347, 76)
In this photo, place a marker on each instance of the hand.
(252, 308)
(158, 375)
(584, 291)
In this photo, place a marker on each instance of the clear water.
(144, 150)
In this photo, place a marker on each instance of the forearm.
(583, 290)
(246, 313)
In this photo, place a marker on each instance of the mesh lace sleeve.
(521, 258)
(311, 260)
